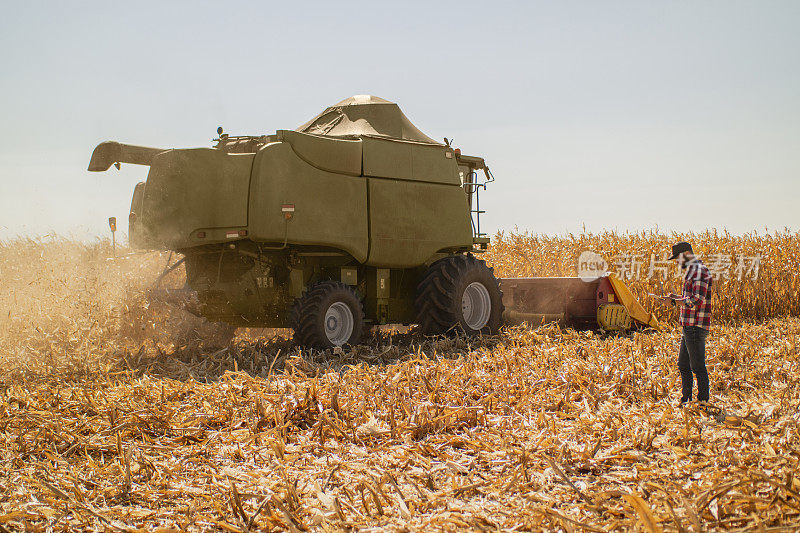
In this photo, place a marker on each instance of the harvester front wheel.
(459, 292)
(328, 314)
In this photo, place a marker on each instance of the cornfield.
(742, 290)
(121, 414)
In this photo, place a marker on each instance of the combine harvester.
(354, 219)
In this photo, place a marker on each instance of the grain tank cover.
(365, 115)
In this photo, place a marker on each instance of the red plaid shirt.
(696, 298)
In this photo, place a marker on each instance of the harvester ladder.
(475, 207)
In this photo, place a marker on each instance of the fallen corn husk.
(533, 429)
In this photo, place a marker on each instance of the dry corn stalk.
(535, 429)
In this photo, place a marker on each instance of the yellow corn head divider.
(588, 304)
(631, 304)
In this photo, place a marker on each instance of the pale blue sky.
(616, 115)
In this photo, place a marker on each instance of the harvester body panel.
(340, 156)
(411, 221)
(190, 191)
(411, 161)
(295, 203)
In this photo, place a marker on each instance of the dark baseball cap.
(678, 249)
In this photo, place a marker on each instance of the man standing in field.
(695, 305)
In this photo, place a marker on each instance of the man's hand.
(668, 298)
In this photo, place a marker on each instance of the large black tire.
(441, 303)
(319, 317)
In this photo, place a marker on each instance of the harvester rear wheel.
(459, 292)
(328, 314)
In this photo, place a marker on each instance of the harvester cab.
(353, 219)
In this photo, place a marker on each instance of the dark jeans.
(692, 359)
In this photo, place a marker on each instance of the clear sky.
(612, 115)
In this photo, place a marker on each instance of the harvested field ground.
(116, 414)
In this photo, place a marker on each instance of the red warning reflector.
(287, 208)
(242, 233)
(201, 234)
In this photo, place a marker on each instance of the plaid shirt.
(696, 298)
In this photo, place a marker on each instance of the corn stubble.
(118, 412)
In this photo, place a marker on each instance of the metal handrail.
(475, 208)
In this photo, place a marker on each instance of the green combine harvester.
(354, 219)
